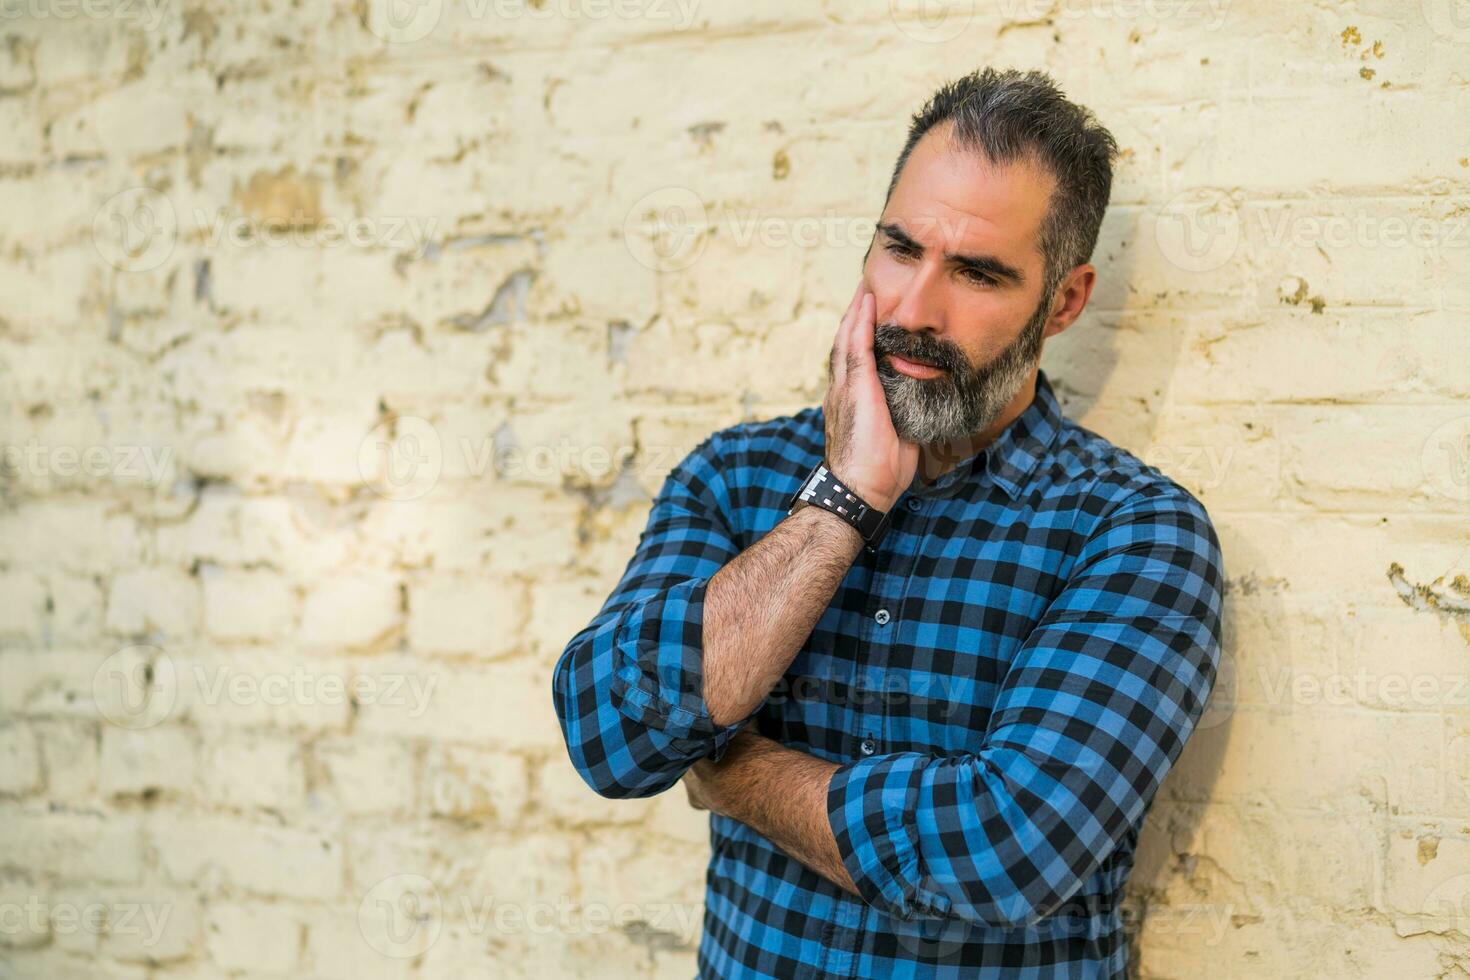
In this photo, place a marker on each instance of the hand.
(863, 450)
(702, 780)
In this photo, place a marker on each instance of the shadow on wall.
(1121, 396)
(1177, 911)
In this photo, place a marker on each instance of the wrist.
(877, 499)
(850, 537)
(825, 490)
(731, 777)
(880, 502)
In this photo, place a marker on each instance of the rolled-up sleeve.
(629, 686)
(1092, 712)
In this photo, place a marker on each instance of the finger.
(837, 366)
(859, 356)
(860, 339)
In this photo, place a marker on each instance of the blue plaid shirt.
(1004, 684)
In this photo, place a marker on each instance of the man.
(929, 708)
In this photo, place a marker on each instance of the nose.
(919, 306)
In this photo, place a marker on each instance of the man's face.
(956, 267)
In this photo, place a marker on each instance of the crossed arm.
(695, 635)
(780, 793)
(1093, 711)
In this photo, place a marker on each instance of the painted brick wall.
(341, 346)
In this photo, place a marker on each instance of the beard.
(966, 399)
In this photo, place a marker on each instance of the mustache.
(890, 338)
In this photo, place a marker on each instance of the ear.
(1071, 297)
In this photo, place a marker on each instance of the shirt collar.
(1013, 456)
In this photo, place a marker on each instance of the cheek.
(891, 282)
(998, 317)
(884, 278)
(986, 325)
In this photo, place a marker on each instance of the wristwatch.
(821, 488)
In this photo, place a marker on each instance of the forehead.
(959, 201)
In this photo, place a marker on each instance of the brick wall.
(341, 346)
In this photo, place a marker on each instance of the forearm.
(781, 793)
(761, 606)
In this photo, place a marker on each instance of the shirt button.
(881, 616)
(914, 504)
(868, 746)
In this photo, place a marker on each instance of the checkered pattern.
(1005, 684)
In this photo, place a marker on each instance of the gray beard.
(965, 400)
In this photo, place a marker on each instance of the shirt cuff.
(871, 806)
(659, 670)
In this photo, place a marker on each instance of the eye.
(899, 249)
(979, 278)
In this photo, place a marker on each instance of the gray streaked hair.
(1010, 116)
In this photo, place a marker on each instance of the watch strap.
(822, 488)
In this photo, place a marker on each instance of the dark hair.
(1011, 116)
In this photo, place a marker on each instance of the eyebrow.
(985, 264)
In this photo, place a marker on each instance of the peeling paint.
(1448, 599)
